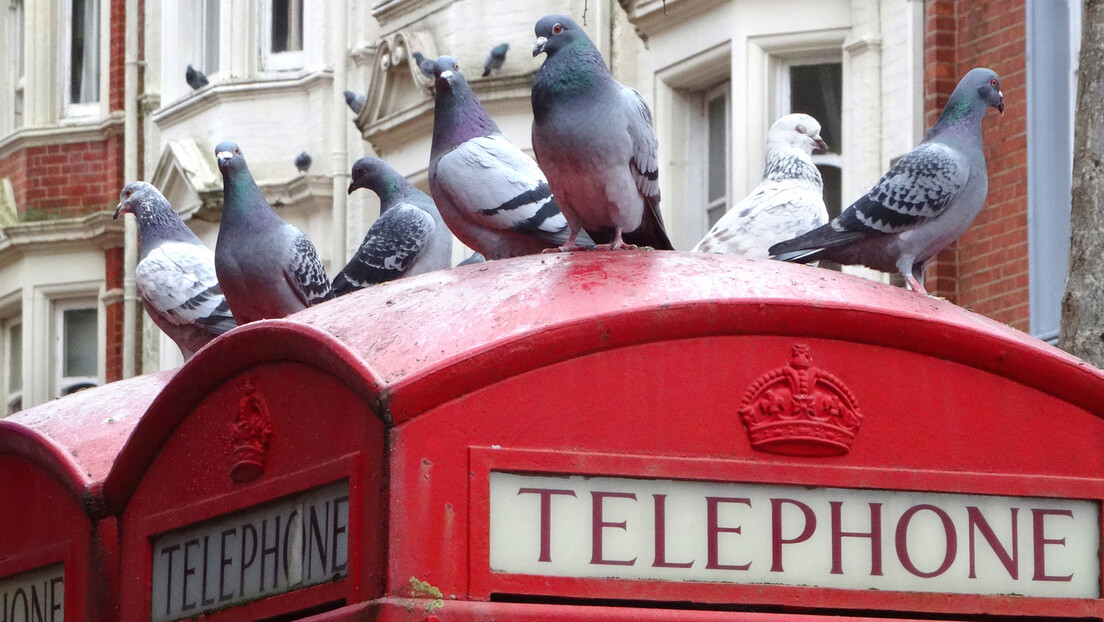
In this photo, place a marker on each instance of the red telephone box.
(59, 549)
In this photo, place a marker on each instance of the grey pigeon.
(354, 101)
(925, 201)
(268, 268)
(788, 202)
(425, 65)
(473, 259)
(495, 59)
(303, 162)
(492, 195)
(594, 139)
(176, 272)
(408, 238)
(196, 78)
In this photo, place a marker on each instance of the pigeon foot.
(915, 285)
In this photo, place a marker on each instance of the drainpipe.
(130, 173)
(339, 15)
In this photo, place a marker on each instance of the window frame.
(69, 109)
(61, 383)
(16, 89)
(9, 363)
(724, 89)
(281, 61)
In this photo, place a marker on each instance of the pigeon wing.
(390, 247)
(773, 212)
(500, 187)
(644, 164)
(178, 281)
(305, 272)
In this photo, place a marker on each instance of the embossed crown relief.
(800, 410)
(249, 436)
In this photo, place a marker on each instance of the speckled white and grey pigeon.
(491, 194)
(788, 202)
(594, 139)
(408, 238)
(925, 201)
(176, 273)
(268, 268)
(425, 65)
(495, 59)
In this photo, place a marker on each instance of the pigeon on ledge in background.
(925, 201)
(594, 139)
(425, 65)
(495, 59)
(492, 195)
(788, 202)
(268, 268)
(176, 272)
(354, 102)
(408, 238)
(303, 162)
(196, 78)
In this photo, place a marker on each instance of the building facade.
(94, 95)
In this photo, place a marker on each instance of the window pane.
(79, 342)
(831, 176)
(211, 37)
(715, 213)
(817, 90)
(15, 358)
(717, 110)
(287, 25)
(19, 26)
(84, 54)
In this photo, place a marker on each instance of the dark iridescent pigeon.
(925, 201)
(354, 102)
(268, 268)
(594, 139)
(176, 272)
(495, 59)
(408, 238)
(425, 65)
(195, 78)
(492, 195)
(303, 162)
(788, 202)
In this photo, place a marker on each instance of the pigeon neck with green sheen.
(572, 71)
(390, 188)
(242, 197)
(961, 116)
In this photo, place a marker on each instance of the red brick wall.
(986, 270)
(117, 56)
(66, 180)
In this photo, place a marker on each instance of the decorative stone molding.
(652, 16)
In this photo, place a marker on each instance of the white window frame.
(61, 384)
(721, 90)
(197, 29)
(784, 105)
(11, 396)
(16, 91)
(89, 109)
(280, 61)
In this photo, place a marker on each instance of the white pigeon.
(788, 202)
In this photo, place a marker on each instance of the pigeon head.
(987, 84)
(376, 175)
(555, 32)
(797, 130)
(140, 199)
(446, 71)
(500, 50)
(229, 157)
(979, 90)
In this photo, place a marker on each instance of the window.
(13, 365)
(282, 39)
(816, 89)
(77, 347)
(82, 54)
(17, 28)
(717, 140)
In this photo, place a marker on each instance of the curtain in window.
(84, 52)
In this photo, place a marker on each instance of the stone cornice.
(294, 191)
(386, 11)
(211, 97)
(61, 135)
(97, 231)
(652, 16)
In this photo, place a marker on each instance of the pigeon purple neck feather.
(459, 117)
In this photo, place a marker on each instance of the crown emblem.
(249, 436)
(800, 410)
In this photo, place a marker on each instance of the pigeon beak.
(819, 143)
(118, 210)
(1000, 103)
(539, 47)
(446, 74)
(354, 186)
(223, 156)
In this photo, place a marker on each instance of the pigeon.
(408, 238)
(176, 272)
(495, 59)
(788, 202)
(473, 259)
(268, 269)
(425, 65)
(492, 195)
(925, 201)
(303, 162)
(594, 139)
(354, 101)
(196, 78)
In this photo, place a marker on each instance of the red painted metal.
(53, 459)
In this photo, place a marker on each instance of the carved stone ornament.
(800, 410)
(249, 437)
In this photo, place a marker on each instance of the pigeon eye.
(235, 150)
(800, 129)
(993, 82)
(456, 66)
(128, 193)
(557, 29)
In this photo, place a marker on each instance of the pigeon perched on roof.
(268, 268)
(594, 139)
(495, 58)
(788, 202)
(425, 65)
(196, 78)
(472, 259)
(303, 162)
(354, 101)
(408, 238)
(176, 272)
(492, 195)
(925, 201)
